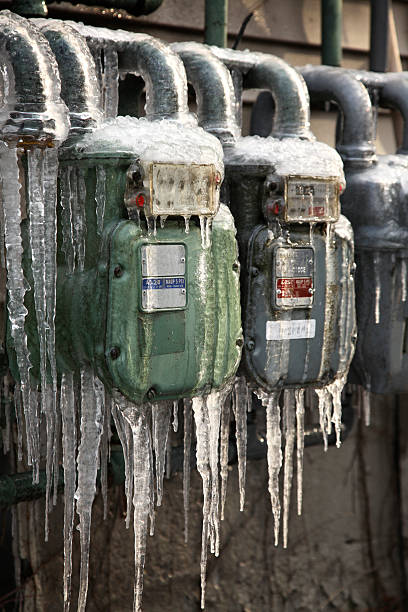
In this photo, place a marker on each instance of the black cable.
(242, 29)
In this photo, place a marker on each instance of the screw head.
(254, 271)
(235, 266)
(115, 352)
(151, 394)
(250, 345)
(117, 272)
(239, 342)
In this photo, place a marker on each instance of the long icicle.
(161, 414)
(274, 441)
(69, 446)
(289, 421)
(87, 462)
(300, 444)
(186, 462)
(240, 407)
(224, 447)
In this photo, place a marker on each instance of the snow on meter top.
(298, 292)
(156, 268)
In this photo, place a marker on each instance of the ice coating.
(274, 456)
(288, 156)
(161, 413)
(188, 413)
(241, 400)
(289, 422)
(300, 444)
(162, 141)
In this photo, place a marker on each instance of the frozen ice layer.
(157, 141)
(288, 156)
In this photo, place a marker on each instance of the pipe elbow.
(328, 84)
(32, 110)
(394, 95)
(214, 89)
(79, 84)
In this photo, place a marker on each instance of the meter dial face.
(293, 277)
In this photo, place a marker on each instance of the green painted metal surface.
(101, 320)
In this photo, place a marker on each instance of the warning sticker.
(290, 330)
(294, 277)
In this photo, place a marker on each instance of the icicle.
(214, 403)
(168, 458)
(300, 444)
(69, 446)
(224, 447)
(324, 413)
(110, 81)
(274, 441)
(19, 419)
(187, 224)
(203, 467)
(186, 462)
(57, 450)
(175, 416)
(377, 281)
(125, 437)
(240, 405)
(335, 389)
(161, 413)
(16, 286)
(104, 455)
(289, 419)
(404, 279)
(366, 397)
(163, 220)
(87, 461)
(154, 226)
(66, 218)
(151, 485)
(100, 197)
(77, 205)
(136, 417)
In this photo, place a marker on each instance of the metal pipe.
(328, 84)
(161, 69)
(32, 110)
(212, 82)
(38, 8)
(79, 84)
(288, 89)
(331, 27)
(216, 22)
(379, 35)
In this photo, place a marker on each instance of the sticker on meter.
(163, 276)
(312, 199)
(294, 277)
(290, 330)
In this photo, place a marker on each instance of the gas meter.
(296, 250)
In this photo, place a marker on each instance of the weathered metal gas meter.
(148, 277)
(298, 288)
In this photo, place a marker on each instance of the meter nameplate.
(312, 199)
(163, 272)
(163, 260)
(290, 330)
(294, 276)
(183, 189)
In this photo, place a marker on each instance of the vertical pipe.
(379, 35)
(216, 20)
(332, 18)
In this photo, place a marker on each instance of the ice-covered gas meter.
(151, 287)
(375, 202)
(298, 288)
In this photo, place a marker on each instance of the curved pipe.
(288, 89)
(161, 69)
(32, 109)
(394, 95)
(79, 83)
(328, 84)
(214, 88)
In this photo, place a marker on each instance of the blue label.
(172, 282)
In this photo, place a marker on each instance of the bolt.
(115, 352)
(235, 266)
(239, 342)
(151, 394)
(118, 272)
(272, 186)
(254, 271)
(250, 345)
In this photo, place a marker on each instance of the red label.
(294, 287)
(316, 211)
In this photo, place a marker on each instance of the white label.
(290, 330)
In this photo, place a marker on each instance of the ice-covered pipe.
(288, 89)
(357, 138)
(31, 110)
(214, 89)
(159, 66)
(79, 84)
